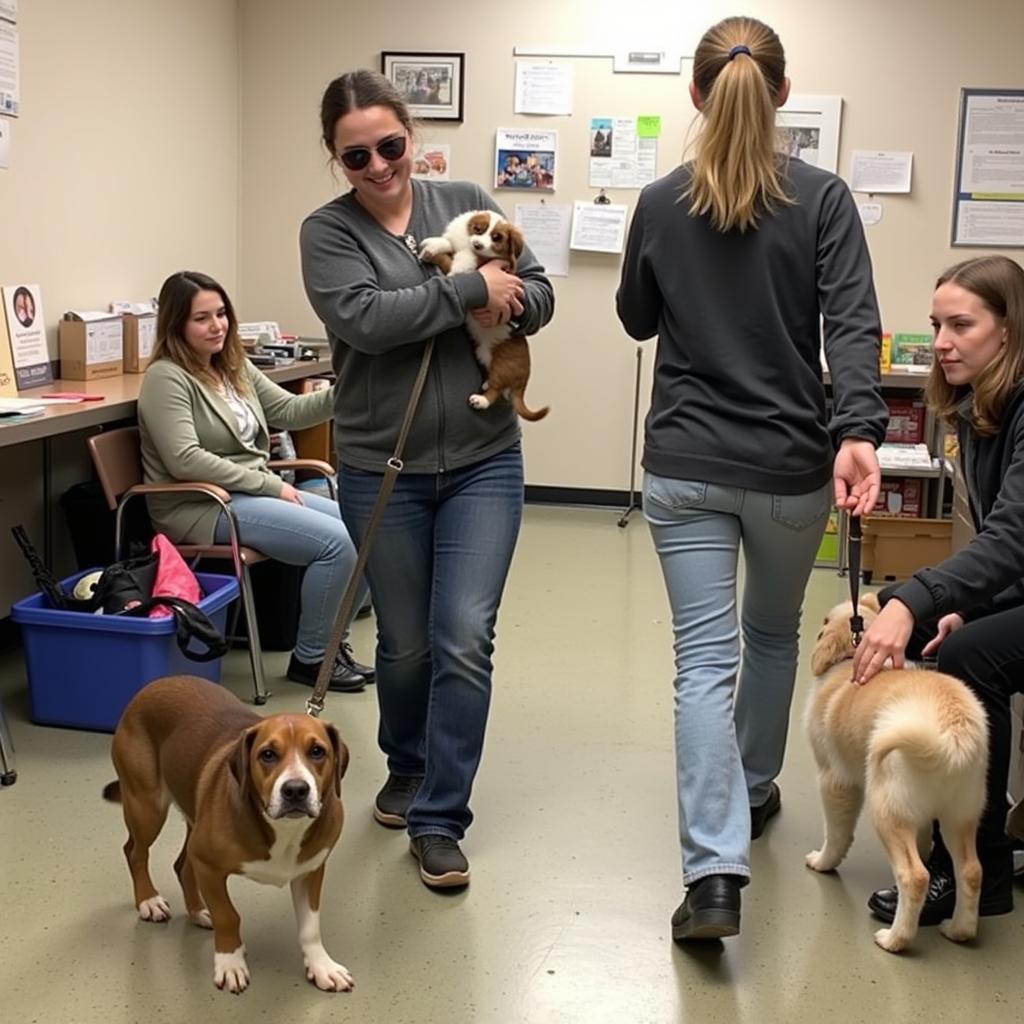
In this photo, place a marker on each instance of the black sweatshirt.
(988, 574)
(738, 396)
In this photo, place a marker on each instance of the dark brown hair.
(175, 308)
(357, 90)
(739, 69)
(999, 282)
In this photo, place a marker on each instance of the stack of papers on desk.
(14, 410)
(904, 456)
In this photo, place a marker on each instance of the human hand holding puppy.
(504, 294)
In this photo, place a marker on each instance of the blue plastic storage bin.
(84, 669)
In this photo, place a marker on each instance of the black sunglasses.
(358, 157)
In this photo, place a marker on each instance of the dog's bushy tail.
(950, 738)
(112, 792)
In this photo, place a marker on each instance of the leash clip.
(857, 628)
(314, 707)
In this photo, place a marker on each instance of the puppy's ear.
(834, 644)
(340, 757)
(515, 245)
(239, 759)
(870, 600)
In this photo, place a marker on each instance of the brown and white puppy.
(914, 743)
(260, 796)
(470, 240)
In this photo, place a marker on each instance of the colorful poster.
(525, 159)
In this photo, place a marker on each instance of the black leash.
(853, 567)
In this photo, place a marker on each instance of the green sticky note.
(648, 126)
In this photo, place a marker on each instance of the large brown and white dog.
(260, 796)
(470, 240)
(914, 743)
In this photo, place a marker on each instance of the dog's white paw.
(156, 909)
(202, 919)
(817, 861)
(230, 971)
(889, 941)
(479, 402)
(958, 933)
(327, 975)
(433, 247)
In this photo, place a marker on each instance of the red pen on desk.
(78, 396)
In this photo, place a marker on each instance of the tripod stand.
(634, 502)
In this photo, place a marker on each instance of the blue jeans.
(310, 534)
(731, 737)
(437, 570)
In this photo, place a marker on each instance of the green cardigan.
(188, 432)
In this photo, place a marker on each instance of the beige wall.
(898, 66)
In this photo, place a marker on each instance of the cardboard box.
(91, 345)
(906, 421)
(139, 336)
(899, 496)
(894, 549)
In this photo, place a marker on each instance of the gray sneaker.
(392, 803)
(442, 863)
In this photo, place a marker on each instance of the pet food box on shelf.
(899, 496)
(895, 548)
(84, 669)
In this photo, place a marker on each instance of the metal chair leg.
(255, 647)
(9, 775)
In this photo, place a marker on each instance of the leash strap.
(853, 563)
(315, 703)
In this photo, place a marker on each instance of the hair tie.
(742, 48)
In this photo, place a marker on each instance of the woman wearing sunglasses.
(442, 552)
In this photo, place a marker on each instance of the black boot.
(711, 909)
(344, 679)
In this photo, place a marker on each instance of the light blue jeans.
(731, 713)
(310, 534)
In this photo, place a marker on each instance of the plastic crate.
(84, 669)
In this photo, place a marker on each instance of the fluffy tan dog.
(914, 743)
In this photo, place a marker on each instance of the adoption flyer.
(525, 159)
(23, 305)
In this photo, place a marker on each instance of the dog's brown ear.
(515, 245)
(340, 756)
(834, 644)
(870, 600)
(239, 759)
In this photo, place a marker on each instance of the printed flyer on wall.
(525, 159)
(23, 304)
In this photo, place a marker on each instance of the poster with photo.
(432, 162)
(23, 305)
(808, 128)
(525, 159)
(620, 156)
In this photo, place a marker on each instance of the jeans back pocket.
(675, 494)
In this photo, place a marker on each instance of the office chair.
(117, 458)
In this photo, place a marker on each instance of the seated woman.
(969, 609)
(204, 412)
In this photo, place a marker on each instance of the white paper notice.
(9, 9)
(993, 148)
(875, 171)
(870, 213)
(147, 335)
(103, 342)
(990, 223)
(543, 88)
(619, 158)
(9, 69)
(5, 143)
(546, 228)
(598, 227)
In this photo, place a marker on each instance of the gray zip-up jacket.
(738, 396)
(379, 304)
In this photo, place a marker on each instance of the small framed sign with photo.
(430, 83)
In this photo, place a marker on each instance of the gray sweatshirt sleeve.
(853, 332)
(638, 299)
(343, 288)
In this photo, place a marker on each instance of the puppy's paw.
(431, 248)
(201, 918)
(155, 909)
(327, 975)
(230, 971)
(958, 932)
(890, 941)
(479, 402)
(816, 860)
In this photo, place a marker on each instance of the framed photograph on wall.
(431, 83)
(809, 129)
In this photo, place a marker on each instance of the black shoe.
(366, 611)
(442, 864)
(759, 815)
(941, 899)
(343, 679)
(346, 658)
(392, 803)
(711, 909)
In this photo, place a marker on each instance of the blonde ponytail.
(740, 71)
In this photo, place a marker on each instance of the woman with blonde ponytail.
(741, 260)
